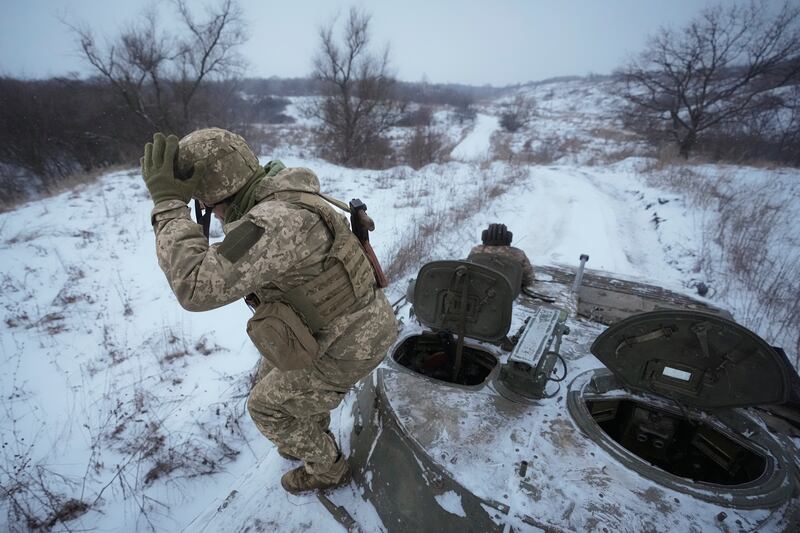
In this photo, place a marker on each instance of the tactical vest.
(286, 322)
(347, 281)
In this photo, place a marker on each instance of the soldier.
(320, 322)
(497, 240)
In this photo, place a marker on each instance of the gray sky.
(465, 41)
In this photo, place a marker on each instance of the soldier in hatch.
(320, 323)
(497, 240)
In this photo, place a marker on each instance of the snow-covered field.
(119, 403)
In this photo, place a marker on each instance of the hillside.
(128, 413)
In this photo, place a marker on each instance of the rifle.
(361, 224)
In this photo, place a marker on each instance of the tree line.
(53, 129)
(727, 84)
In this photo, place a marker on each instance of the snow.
(475, 146)
(450, 501)
(592, 213)
(108, 384)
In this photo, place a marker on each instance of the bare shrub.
(500, 147)
(36, 497)
(267, 139)
(518, 114)
(613, 156)
(270, 110)
(514, 173)
(754, 143)
(464, 108)
(665, 158)
(615, 135)
(542, 152)
(133, 443)
(53, 132)
(446, 94)
(153, 451)
(422, 116)
(426, 146)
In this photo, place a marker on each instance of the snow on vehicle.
(665, 423)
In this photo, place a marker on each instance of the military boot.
(299, 480)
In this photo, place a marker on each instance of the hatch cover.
(438, 296)
(695, 358)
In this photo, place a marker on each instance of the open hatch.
(665, 405)
(456, 300)
(682, 446)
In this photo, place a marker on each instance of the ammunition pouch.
(282, 337)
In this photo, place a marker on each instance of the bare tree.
(464, 107)
(722, 65)
(358, 107)
(159, 74)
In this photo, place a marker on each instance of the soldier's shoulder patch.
(240, 240)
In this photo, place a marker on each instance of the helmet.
(496, 235)
(230, 163)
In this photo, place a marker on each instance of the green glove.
(158, 171)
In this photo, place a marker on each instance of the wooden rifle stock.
(362, 224)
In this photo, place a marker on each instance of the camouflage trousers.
(292, 408)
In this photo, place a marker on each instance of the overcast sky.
(495, 42)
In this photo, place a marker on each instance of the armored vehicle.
(673, 417)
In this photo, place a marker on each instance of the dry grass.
(615, 135)
(745, 248)
(539, 151)
(36, 498)
(415, 246)
(613, 156)
(132, 423)
(9, 202)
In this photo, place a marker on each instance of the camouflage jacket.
(513, 253)
(274, 247)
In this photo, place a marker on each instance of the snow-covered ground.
(476, 144)
(116, 397)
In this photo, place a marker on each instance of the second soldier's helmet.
(496, 235)
(229, 161)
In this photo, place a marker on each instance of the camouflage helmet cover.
(229, 162)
